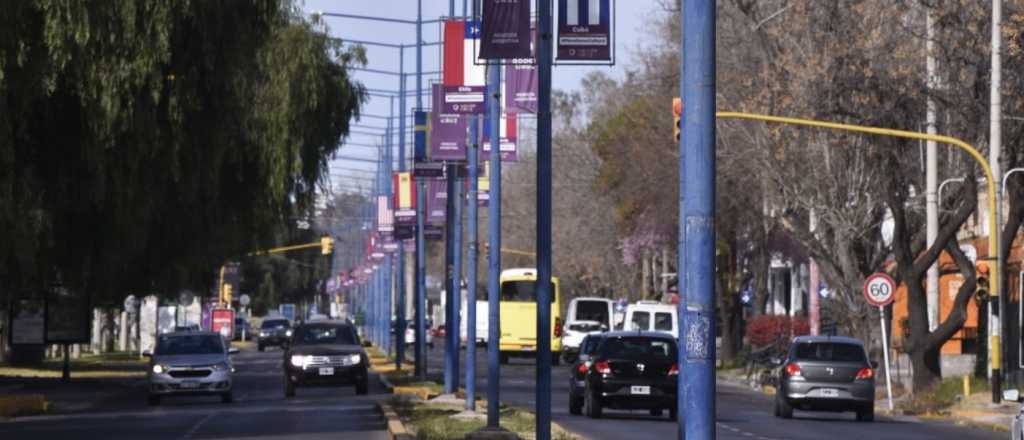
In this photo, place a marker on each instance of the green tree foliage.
(144, 143)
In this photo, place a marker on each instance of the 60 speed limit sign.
(879, 289)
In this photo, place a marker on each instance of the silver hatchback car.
(826, 373)
(190, 363)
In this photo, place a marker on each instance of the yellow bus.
(519, 315)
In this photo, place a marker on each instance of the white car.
(1017, 426)
(573, 336)
(652, 316)
(410, 335)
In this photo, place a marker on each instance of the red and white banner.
(461, 66)
(385, 216)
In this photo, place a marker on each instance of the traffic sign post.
(880, 290)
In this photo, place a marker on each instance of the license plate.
(190, 384)
(829, 392)
(327, 371)
(641, 390)
(527, 348)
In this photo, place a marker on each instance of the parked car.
(578, 375)
(274, 332)
(242, 325)
(826, 373)
(1017, 425)
(410, 335)
(652, 316)
(632, 370)
(573, 336)
(190, 363)
(325, 353)
(601, 310)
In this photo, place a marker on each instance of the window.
(829, 351)
(274, 323)
(189, 344)
(639, 348)
(663, 322)
(640, 321)
(323, 334)
(589, 344)
(592, 311)
(585, 327)
(522, 291)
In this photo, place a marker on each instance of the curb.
(396, 428)
(23, 405)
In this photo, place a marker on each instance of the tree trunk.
(645, 272)
(927, 368)
(760, 287)
(664, 270)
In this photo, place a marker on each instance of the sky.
(630, 16)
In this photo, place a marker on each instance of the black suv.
(632, 370)
(274, 331)
(325, 353)
(578, 375)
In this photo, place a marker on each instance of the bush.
(766, 330)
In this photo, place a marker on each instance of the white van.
(653, 316)
(591, 309)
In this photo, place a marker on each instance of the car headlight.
(288, 333)
(353, 359)
(298, 360)
(263, 334)
(158, 369)
(222, 366)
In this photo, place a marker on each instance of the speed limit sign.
(879, 289)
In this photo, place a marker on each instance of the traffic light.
(226, 291)
(326, 245)
(981, 292)
(677, 113)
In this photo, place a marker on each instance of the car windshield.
(324, 334)
(589, 344)
(639, 347)
(829, 351)
(640, 321)
(585, 327)
(171, 345)
(663, 321)
(274, 323)
(520, 291)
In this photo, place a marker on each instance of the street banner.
(509, 134)
(437, 198)
(462, 100)
(420, 119)
(584, 30)
(405, 199)
(506, 29)
(521, 88)
(447, 133)
(385, 216)
(461, 66)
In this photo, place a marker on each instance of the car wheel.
(866, 413)
(783, 408)
(227, 397)
(656, 412)
(153, 400)
(259, 347)
(289, 388)
(575, 405)
(363, 387)
(503, 358)
(593, 405)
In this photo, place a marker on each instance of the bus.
(519, 315)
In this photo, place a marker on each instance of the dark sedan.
(633, 370)
(325, 353)
(274, 332)
(578, 376)
(826, 373)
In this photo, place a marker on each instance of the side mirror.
(1011, 395)
(874, 365)
(233, 350)
(147, 353)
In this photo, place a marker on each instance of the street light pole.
(494, 247)
(544, 288)
(995, 147)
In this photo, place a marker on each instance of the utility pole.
(696, 379)
(931, 177)
(471, 151)
(995, 145)
(544, 288)
(494, 247)
(421, 277)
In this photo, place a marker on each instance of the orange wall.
(949, 284)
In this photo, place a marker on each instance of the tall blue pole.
(494, 244)
(471, 318)
(421, 281)
(697, 222)
(399, 271)
(451, 346)
(456, 196)
(544, 290)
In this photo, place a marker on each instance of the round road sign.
(879, 289)
(243, 300)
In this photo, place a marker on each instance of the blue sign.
(288, 311)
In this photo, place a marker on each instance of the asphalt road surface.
(741, 413)
(259, 411)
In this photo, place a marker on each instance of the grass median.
(435, 421)
(103, 366)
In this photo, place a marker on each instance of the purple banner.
(584, 30)
(509, 130)
(520, 88)
(463, 100)
(505, 29)
(437, 199)
(447, 133)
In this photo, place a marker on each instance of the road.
(259, 411)
(742, 413)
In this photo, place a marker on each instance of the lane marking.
(742, 432)
(198, 425)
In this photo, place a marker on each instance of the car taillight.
(558, 327)
(582, 369)
(865, 373)
(603, 367)
(674, 371)
(792, 370)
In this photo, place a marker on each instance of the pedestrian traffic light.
(981, 292)
(326, 245)
(677, 113)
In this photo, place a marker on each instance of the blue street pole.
(544, 290)
(697, 222)
(494, 243)
(456, 197)
(421, 281)
(471, 147)
(451, 346)
(400, 257)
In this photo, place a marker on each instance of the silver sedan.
(192, 363)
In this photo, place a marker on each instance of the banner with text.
(447, 133)
(506, 29)
(584, 30)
